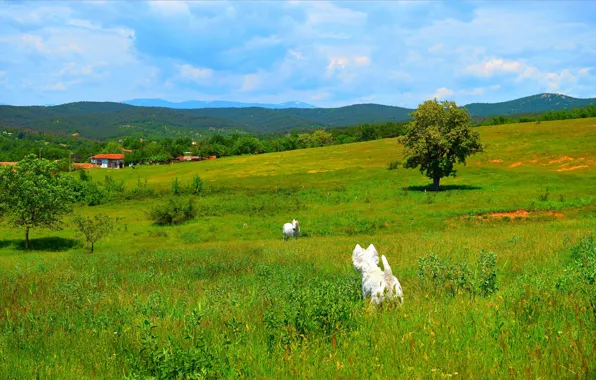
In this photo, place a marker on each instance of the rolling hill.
(102, 120)
(529, 105)
(191, 104)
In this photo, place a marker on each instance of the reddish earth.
(559, 160)
(510, 214)
(496, 161)
(515, 165)
(566, 169)
(523, 214)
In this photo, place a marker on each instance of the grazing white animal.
(291, 230)
(376, 283)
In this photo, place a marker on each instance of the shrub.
(394, 165)
(112, 185)
(173, 211)
(84, 176)
(196, 186)
(441, 276)
(194, 359)
(176, 189)
(302, 305)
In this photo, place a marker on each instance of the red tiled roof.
(8, 163)
(126, 150)
(84, 166)
(109, 156)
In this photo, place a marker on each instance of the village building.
(108, 161)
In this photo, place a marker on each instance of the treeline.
(575, 113)
(236, 144)
(16, 144)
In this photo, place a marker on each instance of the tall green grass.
(223, 295)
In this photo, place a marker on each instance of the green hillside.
(528, 105)
(104, 120)
(497, 269)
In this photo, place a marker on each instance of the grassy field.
(224, 296)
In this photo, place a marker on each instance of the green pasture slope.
(216, 298)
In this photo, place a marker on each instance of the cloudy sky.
(324, 53)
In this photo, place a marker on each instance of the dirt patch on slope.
(510, 214)
(515, 165)
(566, 169)
(519, 214)
(496, 161)
(559, 160)
(317, 171)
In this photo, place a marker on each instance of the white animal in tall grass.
(291, 230)
(376, 283)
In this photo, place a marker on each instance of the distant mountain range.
(101, 120)
(192, 104)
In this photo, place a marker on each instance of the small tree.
(437, 138)
(94, 229)
(34, 195)
(196, 186)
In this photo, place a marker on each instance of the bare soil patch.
(568, 168)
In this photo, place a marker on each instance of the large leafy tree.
(438, 137)
(34, 195)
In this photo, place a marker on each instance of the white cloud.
(435, 48)
(584, 71)
(169, 7)
(362, 61)
(488, 68)
(194, 73)
(75, 69)
(399, 75)
(296, 54)
(477, 91)
(55, 87)
(321, 96)
(250, 82)
(334, 63)
(442, 93)
(554, 81)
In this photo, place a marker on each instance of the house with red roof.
(108, 161)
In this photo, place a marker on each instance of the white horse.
(291, 230)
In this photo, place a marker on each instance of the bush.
(393, 165)
(196, 186)
(440, 275)
(173, 211)
(176, 189)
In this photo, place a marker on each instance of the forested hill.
(102, 120)
(529, 105)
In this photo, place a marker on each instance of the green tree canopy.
(94, 229)
(34, 195)
(438, 137)
(112, 147)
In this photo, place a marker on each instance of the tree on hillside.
(34, 195)
(438, 137)
(112, 147)
(94, 229)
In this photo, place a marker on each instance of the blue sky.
(324, 53)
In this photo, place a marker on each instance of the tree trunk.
(92, 247)
(436, 183)
(27, 238)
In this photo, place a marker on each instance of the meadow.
(224, 296)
